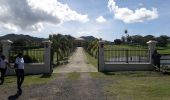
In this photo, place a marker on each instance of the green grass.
(91, 60)
(123, 50)
(73, 76)
(136, 85)
(10, 81)
(164, 51)
(120, 52)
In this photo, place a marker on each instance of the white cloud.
(100, 19)
(129, 16)
(32, 14)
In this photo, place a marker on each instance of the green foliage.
(92, 48)
(162, 40)
(63, 46)
(117, 41)
(141, 40)
(92, 60)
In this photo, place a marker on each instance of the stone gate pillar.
(151, 47)
(101, 55)
(47, 55)
(6, 45)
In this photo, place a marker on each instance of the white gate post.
(151, 47)
(101, 55)
(47, 55)
(6, 45)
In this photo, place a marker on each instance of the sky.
(106, 19)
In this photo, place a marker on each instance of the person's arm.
(17, 60)
(7, 63)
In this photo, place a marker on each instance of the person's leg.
(1, 75)
(3, 72)
(22, 78)
(18, 77)
(158, 66)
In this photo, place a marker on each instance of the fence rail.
(30, 55)
(126, 56)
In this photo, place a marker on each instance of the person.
(3, 67)
(19, 69)
(156, 59)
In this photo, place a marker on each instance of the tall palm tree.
(62, 45)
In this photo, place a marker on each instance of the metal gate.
(126, 55)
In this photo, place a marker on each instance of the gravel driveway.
(62, 88)
(77, 63)
(84, 88)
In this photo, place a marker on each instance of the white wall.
(31, 68)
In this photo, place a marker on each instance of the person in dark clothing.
(3, 67)
(19, 66)
(156, 59)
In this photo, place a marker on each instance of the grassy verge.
(136, 85)
(73, 76)
(10, 81)
(164, 51)
(124, 74)
(91, 60)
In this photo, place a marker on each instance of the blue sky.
(141, 17)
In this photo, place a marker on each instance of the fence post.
(101, 55)
(6, 45)
(127, 56)
(47, 55)
(151, 47)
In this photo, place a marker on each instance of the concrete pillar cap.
(47, 41)
(151, 42)
(6, 41)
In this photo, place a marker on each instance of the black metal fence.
(126, 56)
(0, 48)
(30, 54)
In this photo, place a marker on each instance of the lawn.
(162, 50)
(146, 85)
(10, 81)
(91, 60)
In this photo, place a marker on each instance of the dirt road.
(63, 88)
(77, 63)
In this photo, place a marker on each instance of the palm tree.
(62, 44)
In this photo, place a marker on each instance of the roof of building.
(80, 39)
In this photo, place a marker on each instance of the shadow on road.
(46, 76)
(108, 73)
(15, 96)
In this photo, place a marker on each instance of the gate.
(126, 56)
(52, 60)
(31, 54)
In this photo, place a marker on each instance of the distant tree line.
(162, 40)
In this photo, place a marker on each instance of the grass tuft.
(73, 76)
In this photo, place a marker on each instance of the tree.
(123, 39)
(148, 37)
(117, 41)
(162, 40)
(62, 45)
(137, 39)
